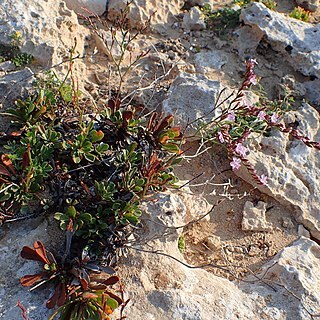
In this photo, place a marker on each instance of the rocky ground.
(264, 239)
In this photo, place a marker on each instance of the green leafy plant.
(22, 59)
(13, 53)
(271, 4)
(223, 21)
(300, 14)
(182, 244)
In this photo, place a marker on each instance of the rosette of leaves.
(162, 135)
(81, 287)
(76, 218)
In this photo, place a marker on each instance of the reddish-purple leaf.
(41, 251)
(115, 297)
(63, 295)
(52, 301)
(84, 284)
(4, 171)
(127, 115)
(110, 281)
(30, 254)
(151, 120)
(31, 279)
(8, 163)
(114, 104)
(26, 158)
(89, 295)
(164, 124)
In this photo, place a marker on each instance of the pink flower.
(241, 150)
(274, 118)
(263, 179)
(244, 102)
(235, 163)
(252, 78)
(262, 115)
(220, 137)
(231, 116)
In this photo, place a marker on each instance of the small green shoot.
(300, 14)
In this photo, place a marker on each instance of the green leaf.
(96, 135)
(5, 197)
(176, 161)
(90, 157)
(71, 211)
(137, 189)
(86, 216)
(131, 218)
(132, 147)
(171, 148)
(102, 147)
(76, 158)
(61, 216)
(113, 304)
(140, 182)
(87, 145)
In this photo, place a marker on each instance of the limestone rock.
(7, 66)
(302, 231)
(287, 223)
(193, 20)
(172, 210)
(210, 60)
(13, 267)
(312, 92)
(254, 217)
(213, 243)
(191, 97)
(295, 269)
(47, 29)
(161, 288)
(310, 5)
(95, 6)
(141, 10)
(298, 41)
(292, 167)
(14, 85)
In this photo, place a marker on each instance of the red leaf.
(127, 115)
(115, 297)
(52, 301)
(6, 160)
(110, 281)
(151, 120)
(30, 254)
(63, 295)
(31, 279)
(164, 123)
(8, 163)
(84, 284)
(16, 133)
(4, 171)
(41, 251)
(89, 295)
(26, 158)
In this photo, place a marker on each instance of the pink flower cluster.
(250, 77)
